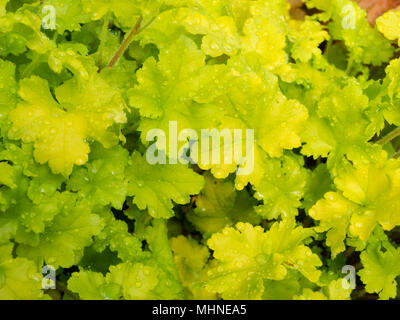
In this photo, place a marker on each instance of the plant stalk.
(32, 65)
(389, 137)
(103, 40)
(396, 155)
(125, 44)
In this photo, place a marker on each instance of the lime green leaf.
(94, 100)
(265, 33)
(137, 281)
(246, 256)
(254, 101)
(336, 290)
(374, 188)
(219, 205)
(155, 186)
(7, 175)
(388, 24)
(63, 242)
(126, 11)
(58, 136)
(102, 180)
(115, 235)
(92, 286)
(166, 88)
(381, 268)
(347, 22)
(221, 36)
(8, 89)
(306, 37)
(69, 15)
(341, 127)
(191, 259)
(308, 294)
(22, 30)
(281, 289)
(367, 198)
(3, 4)
(334, 213)
(169, 286)
(282, 187)
(19, 277)
(127, 280)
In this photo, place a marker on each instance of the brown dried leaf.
(296, 3)
(375, 8)
(296, 12)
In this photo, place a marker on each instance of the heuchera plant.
(83, 81)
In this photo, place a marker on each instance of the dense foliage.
(320, 90)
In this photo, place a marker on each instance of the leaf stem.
(32, 65)
(64, 289)
(103, 40)
(350, 65)
(125, 44)
(396, 155)
(389, 137)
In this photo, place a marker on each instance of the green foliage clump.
(80, 90)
